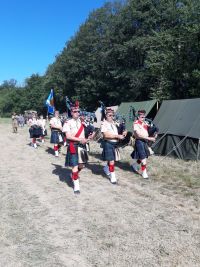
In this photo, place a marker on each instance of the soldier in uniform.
(76, 152)
(56, 132)
(110, 139)
(141, 151)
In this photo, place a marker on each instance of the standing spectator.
(14, 122)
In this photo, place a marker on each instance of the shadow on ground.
(120, 164)
(125, 166)
(63, 174)
(50, 150)
(95, 155)
(95, 168)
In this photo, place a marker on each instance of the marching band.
(77, 130)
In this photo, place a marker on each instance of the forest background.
(127, 50)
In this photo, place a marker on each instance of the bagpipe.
(88, 119)
(120, 121)
(68, 104)
(102, 110)
(152, 128)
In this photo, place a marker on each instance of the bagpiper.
(110, 140)
(141, 151)
(42, 124)
(76, 151)
(34, 129)
(56, 132)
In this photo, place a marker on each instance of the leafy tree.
(125, 51)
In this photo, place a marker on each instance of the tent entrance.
(178, 146)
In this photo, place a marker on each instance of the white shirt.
(55, 121)
(72, 126)
(109, 127)
(42, 123)
(32, 122)
(141, 128)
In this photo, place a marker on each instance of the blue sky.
(33, 32)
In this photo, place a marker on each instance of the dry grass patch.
(5, 120)
(186, 173)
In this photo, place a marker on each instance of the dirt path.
(137, 223)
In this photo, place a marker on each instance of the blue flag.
(50, 102)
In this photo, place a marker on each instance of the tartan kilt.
(35, 132)
(141, 150)
(80, 157)
(108, 152)
(55, 139)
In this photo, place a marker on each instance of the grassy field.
(5, 120)
(139, 222)
(177, 173)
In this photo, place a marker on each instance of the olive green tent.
(179, 129)
(125, 110)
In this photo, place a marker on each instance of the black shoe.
(77, 192)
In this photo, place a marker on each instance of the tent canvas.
(124, 110)
(98, 116)
(179, 128)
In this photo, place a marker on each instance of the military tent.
(125, 110)
(179, 129)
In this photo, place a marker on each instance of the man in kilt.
(42, 124)
(56, 132)
(34, 129)
(110, 139)
(76, 151)
(141, 151)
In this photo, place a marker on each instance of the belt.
(79, 145)
(56, 130)
(142, 140)
(110, 142)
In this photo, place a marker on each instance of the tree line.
(129, 50)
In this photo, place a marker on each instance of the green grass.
(5, 120)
